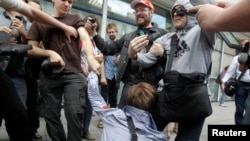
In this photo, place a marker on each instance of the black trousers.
(32, 101)
(13, 112)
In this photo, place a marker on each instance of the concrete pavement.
(220, 115)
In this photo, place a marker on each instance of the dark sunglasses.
(180, 11)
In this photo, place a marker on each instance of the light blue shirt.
(110, 66)
(115, 120)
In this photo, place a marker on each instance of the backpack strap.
(174, 44)
(241, 74)
(131, 127)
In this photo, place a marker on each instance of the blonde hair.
(143, 96)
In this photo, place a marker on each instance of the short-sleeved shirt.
(55, 39)
(11, 4)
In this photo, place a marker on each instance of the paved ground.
(221, 115)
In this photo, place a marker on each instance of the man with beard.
(127, 70)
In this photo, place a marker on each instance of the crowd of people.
(76, 62)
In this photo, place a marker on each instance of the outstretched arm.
(38, 15)
(223, 16)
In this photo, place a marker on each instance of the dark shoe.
(88, 137)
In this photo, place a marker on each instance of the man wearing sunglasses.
(191, 57)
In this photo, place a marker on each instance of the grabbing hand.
(55, 58)
(94, 65)
(137, 44)
(156, 49)
(70, 31)
(6, 29)
(90, 27)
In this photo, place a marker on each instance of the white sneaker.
(222, 105)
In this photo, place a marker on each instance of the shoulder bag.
(231, 85)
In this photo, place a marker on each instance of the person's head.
(181, 19)
(112, 31)
(62, 7)
(245, 46)
(95, 21)
(143, 96)
(144, 10)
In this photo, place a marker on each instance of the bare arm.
(54, 57)
(224, 16)
(42, 17)
(94, 65)
(103, 79)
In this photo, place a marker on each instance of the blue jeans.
(246, 119)
(240, 99)
(222, 97)
(20, 85)
(71, 87)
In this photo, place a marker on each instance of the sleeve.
(33, 33)
(78, 21)
(231, 69)
(109, 48)
(146, 60)
(16, 5)
(96, 100)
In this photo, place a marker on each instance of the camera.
(244, 57)
(92, 20)
(18, 17)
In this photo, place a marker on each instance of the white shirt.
(12, 4)
(234, 67)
